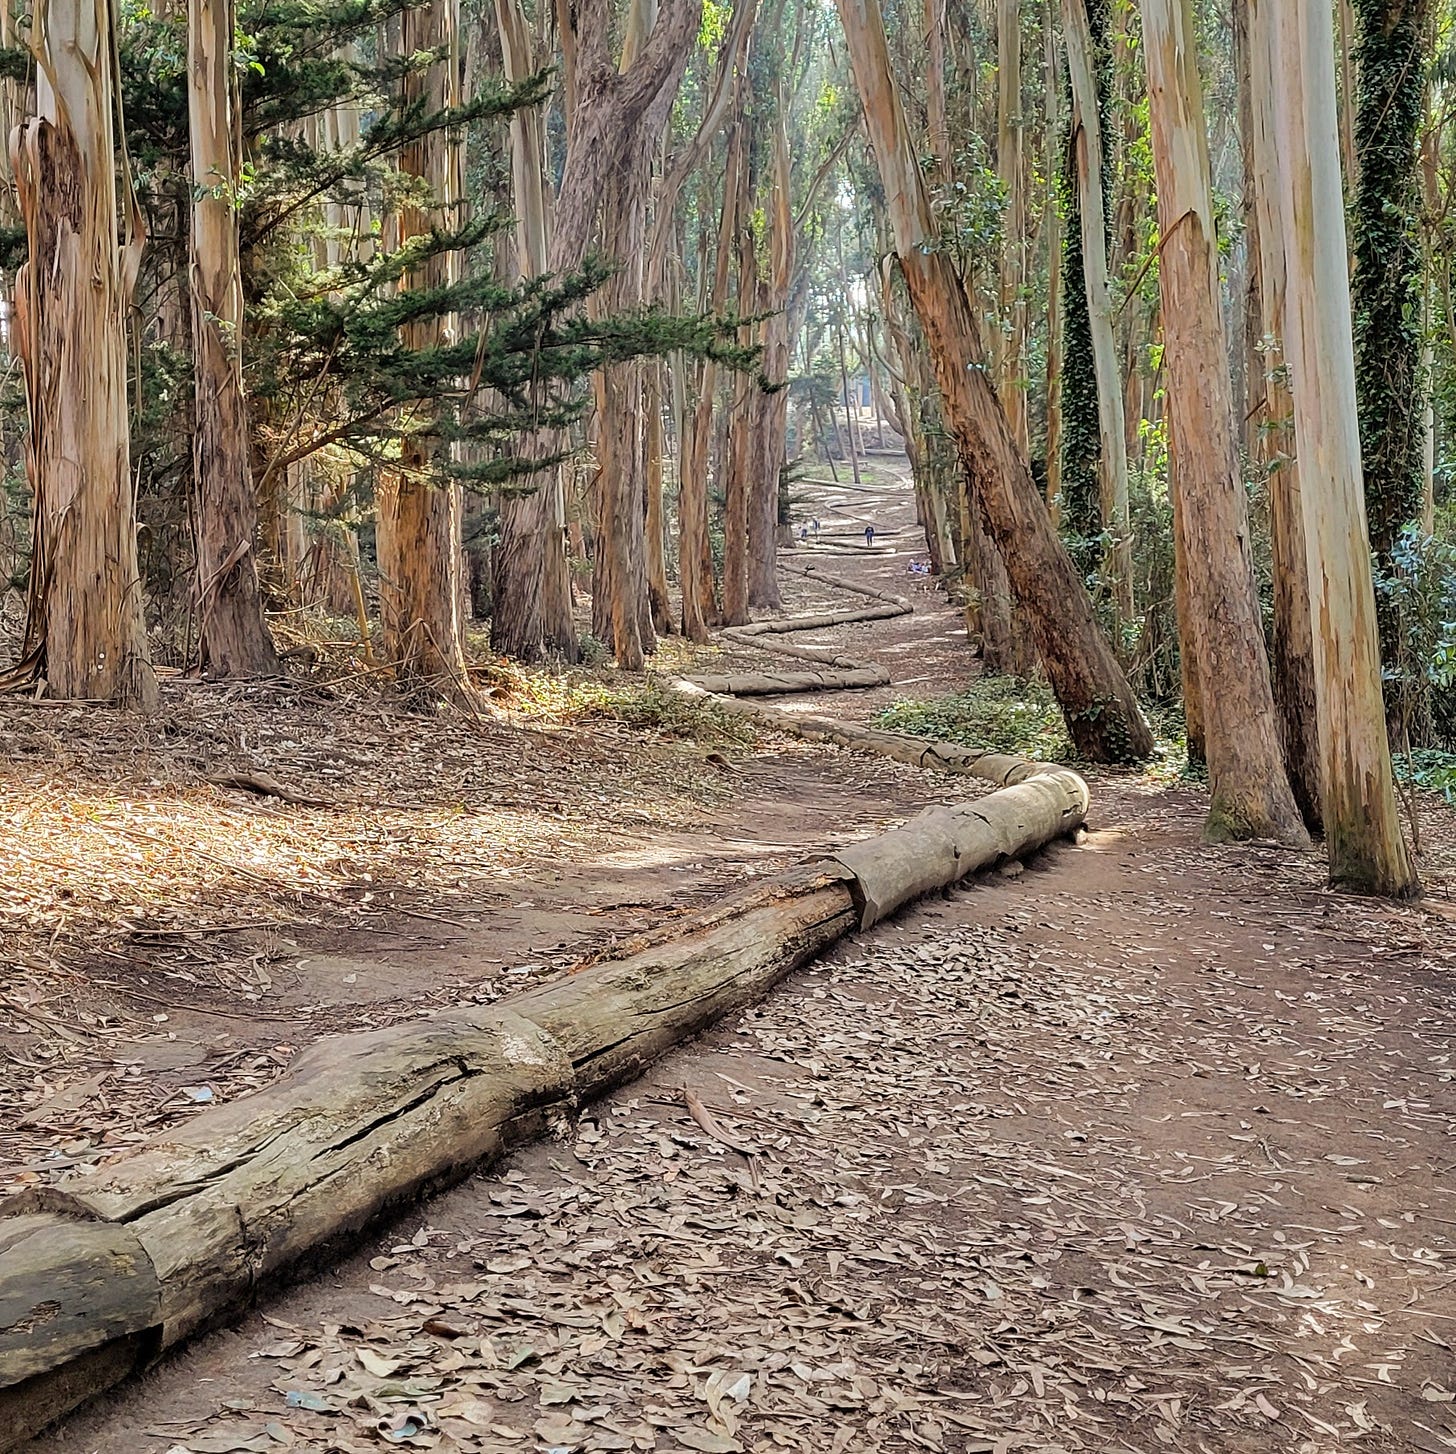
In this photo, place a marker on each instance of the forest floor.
(1141, 1145)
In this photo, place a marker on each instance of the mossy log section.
(773, 684)
(100, 1274)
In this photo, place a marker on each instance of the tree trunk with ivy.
(85, 632)
(1094, 489)
(1390, 67)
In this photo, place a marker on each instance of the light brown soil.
(1144, 1146)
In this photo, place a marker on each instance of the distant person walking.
(869, 535)
(815, 523)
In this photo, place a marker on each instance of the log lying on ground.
(822, 621)
(992, 767)
(814, 572)
(824, 655)
(100, 1274)
(774, 684)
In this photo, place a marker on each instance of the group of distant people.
(806, 526)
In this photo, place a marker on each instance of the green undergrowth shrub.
(1428, 768)
(1005, 714)
(1001, 714)
(649, 707)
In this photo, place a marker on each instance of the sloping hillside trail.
(1141, 1145)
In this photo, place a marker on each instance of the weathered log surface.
(820, 621)
(69, 1287)
(772, 684)
(942, 845)
(615, 1018)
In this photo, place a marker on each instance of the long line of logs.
(100, 1274)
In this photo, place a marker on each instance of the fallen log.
(934, 849)
(824, 655)
(783, 626)
(773, 684)
(999, 768)
(807, 568)
(100, 1274)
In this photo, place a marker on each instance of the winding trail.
(1145, 1146)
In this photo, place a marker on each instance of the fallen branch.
(266, 787)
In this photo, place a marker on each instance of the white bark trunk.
(1362, 824)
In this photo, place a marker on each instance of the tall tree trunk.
(1084, 46)
(418, 534)
(655, 538)
(1056, 292)
(1293, 635)
(737, 452)
(232, 635)
(1361, 820)
(1101, 711)
(1010, 168)
(84, 630)
(1387, 292)
(531, 603)
(773, 408)
(1249, 791)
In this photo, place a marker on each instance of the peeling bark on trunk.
(1102, 712)
(418, 534)
(655, 537)
(1362, 823)
(1249, 791)
(1293, 636)
(1011, 171)
(233, 637)
(85, 632)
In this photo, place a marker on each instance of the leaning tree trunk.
(1361, 819)
(1389, 382)
(1102, 713)
(418, 533)
(1249, 791)
(233, 638)
(1090, 152)
(1293, 636)
(84, 630)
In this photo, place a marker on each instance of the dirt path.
(1144, 1146)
